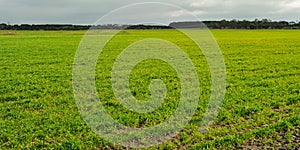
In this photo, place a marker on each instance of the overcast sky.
(89, 11)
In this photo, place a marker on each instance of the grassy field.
(261, 107)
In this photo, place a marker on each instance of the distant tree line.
(145, 27)
(4, 26)
(78, 27)
(237, 24)
(223, 24)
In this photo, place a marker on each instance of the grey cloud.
(89, 11)
(244, 9)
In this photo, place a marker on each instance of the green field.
(261, 107)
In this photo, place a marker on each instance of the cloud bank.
(89, 11)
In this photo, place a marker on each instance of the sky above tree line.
(89, 11)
